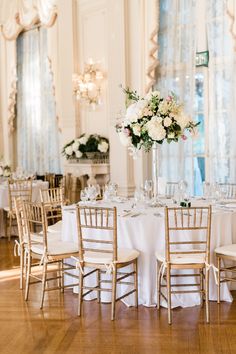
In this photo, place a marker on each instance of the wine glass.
(148, 187)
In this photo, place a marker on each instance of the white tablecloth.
(4, 200)
(146, 234)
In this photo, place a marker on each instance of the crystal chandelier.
(87, 86)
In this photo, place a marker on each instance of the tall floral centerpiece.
(151, 120)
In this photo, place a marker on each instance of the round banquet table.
(4, 200)
(144, 230)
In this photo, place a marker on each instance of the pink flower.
(169, 98)
(184, 137)
(127, 132)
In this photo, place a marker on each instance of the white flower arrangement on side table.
(87, 147)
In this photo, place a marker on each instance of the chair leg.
(62, 276)
(207, 295)
(168, 279)
(9, 228)
(201, 287)
(98, 284)
(158, 274)
(80, 295)
(21, 266)
(43, 283)
(113, 301)
(136, 281)
(218, 279)
(28, 272)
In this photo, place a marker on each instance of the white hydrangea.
(78, 154)
(136, 129)
(103, 146)
(69, 150)
(75, 146)
(83, 140)
(155, 130)
(124, 139)
(167, 122)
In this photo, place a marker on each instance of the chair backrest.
(35, 221)
(50, 178)
(188, 231)
(171, 188)
(97, 218)
(19, 188)
(228, 190)
(52, 195)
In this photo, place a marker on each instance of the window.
(37, 130)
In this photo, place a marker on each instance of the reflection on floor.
(24, 328)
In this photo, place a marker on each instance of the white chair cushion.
(229, 250)
(182, 258)
(124, 255)
(57, 227)
(56, 248)
(38, 237)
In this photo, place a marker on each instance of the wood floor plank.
(25, 329)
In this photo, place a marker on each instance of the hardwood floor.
(24, 328)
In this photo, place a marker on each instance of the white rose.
(69, 150)
(136, 129)
(131, 113)
(75, 146)
(182, 120)
(124, 139)
(83, 140)
(155, 130)
(78, 154)
(167, 122)
(158, 119)
(103, 146)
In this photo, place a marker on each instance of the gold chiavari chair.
(225, 273)
(102, 255)
(22, 241)
(50, 178)
(171, 188)
(53, 197)
(187, 246)
(52, 250)
(228, 190)
(16, 188)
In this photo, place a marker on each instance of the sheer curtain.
(37, 130)
(222, 94)
(177, 48)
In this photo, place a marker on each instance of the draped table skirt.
(146, 233)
